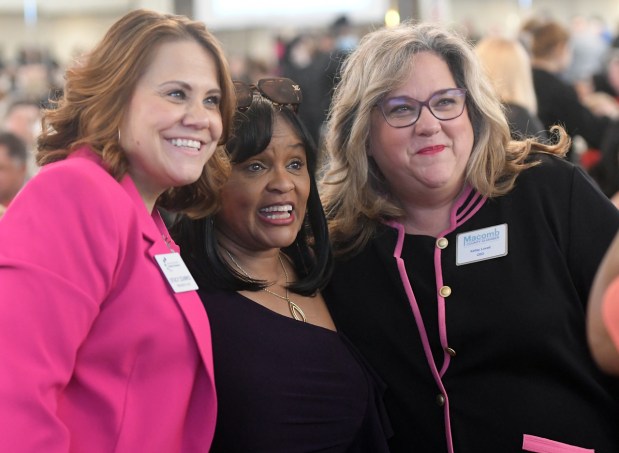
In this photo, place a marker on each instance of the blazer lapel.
(156, 235)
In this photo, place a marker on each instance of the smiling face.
(264, 200)
(173, 123)
(429, 157)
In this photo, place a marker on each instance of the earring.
(119, 135)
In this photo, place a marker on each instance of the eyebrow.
(188, 87)
(176, 82)
(442, 90)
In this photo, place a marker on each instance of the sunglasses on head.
(279, 90)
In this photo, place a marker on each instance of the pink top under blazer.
(97, 353)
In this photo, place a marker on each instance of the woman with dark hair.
(286, 380)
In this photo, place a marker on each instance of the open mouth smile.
(277, 212)
(186, 143)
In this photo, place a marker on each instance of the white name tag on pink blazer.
(175, 270)
(480, 245)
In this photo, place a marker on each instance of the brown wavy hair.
(99, 86)
(546, 38)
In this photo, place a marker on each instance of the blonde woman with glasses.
(463, 259)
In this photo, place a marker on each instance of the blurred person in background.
(314, 62)
(607, 80)
(588, 47)
(105, 343)
(23, 118)
(558, 102)
(32, 73)
(605, 170)
(13, 162)
(508, 67)
(307, 64)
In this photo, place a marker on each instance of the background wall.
(69, 27)
(505, 15)
(62, 26)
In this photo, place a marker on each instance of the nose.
(281, 180)
(427, 124)
(197, 116)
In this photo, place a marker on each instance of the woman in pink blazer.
(105, 346)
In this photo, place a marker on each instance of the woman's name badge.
(175, 270)
(480, 245)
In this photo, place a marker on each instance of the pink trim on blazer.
(460, 213)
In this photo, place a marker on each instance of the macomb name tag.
(480, 245)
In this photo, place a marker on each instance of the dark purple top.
(287, 386)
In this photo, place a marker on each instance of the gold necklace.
(295, 310)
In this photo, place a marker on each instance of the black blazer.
(519, 364)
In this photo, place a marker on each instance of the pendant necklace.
(295, 310)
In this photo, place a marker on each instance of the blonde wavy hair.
(508, 66)
(353, 190)
(98, 89)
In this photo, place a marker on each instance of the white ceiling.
(65, 6)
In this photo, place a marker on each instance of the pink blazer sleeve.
(59, 244)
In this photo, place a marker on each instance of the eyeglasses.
(280, 91)
(403, 111)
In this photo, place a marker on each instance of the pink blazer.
(97, 353)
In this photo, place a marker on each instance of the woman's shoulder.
(78, 191)
(365, 259)
(549, 172)
(555, 178)
(78, 179)
(78, 168)
(549, 164)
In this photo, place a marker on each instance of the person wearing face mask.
(463, 259)
(287, 381)
(105, 344)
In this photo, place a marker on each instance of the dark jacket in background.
(523, 124)
(558, 103)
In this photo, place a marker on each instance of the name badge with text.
(175, 270)
(480, 245)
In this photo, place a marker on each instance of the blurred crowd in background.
(589, 66)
